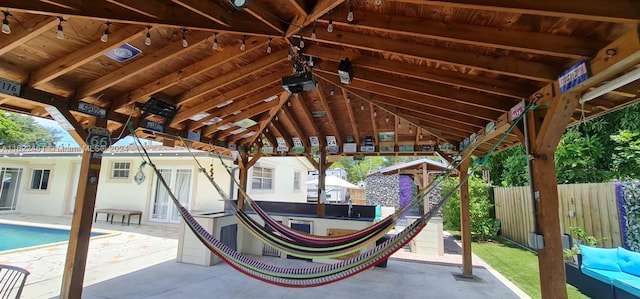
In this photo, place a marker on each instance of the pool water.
(21, 236)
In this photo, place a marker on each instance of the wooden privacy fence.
(590, 206)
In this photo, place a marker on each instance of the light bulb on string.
(313, 31)
(60, 33)
(350, 14)
(375, 112)
(105, 34)
(386, 118)
(6, 29)
(301, 41)
(269, 47)
(330, 26)
(185, 43)
(276, 118)
(333, 91)
(378, 2)
(147, 39)
(243, 46)
(420, 135)
(362, 106)
(215, 41)
(410, 129)
(399, 124)
(289, 54)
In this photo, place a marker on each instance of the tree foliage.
(22, 130)
(626, 156)
(483, 226)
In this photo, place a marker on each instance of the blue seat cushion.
(629, 285)
(606, 276)
(599, 258)
(629, 261)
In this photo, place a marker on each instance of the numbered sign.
(99, 139)
(313, 140)
(9, 87)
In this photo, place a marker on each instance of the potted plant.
(582, 237)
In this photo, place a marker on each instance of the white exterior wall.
(284, 169)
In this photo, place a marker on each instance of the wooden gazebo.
(427, 76)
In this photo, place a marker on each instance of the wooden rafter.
(261, 129)
(253, 111)
(352, 119)
(264, 16)
(85, 54)
(20, 35)
(374, 122)
(206, 9)
(280, 130)
(69, 4)
(532, 42)
(504, 66)
(296, 125)
(177, 17)
(308, 117)
(148, 8)
(186, 73)
(231, 77)
(456, 79)
(303, 20)
(138, 66)
(330, 118)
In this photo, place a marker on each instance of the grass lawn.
(516, 264)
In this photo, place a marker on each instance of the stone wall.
(383, 190)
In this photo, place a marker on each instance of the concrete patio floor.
(139, 262)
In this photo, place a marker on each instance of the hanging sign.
(154, 126)
(332, 145)
(282, 145)
(9, 87)
(575, 75)
(297, 145)
(91, 109)
(516, 111)
(99, 139)
(313, 140)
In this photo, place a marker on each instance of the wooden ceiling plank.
(617, 11)
(283, 98)
(504, 65)
(85, 54)
(303, 20)
(176, 17)
(20, 35)
(280, 130)
(248, 113)
(138, 66)
(374, 122)
(207, 9)
(297, 127)
(237, 105)
(150, 9)
(69, 4)
(452, 106)
(426, 88)
(352, 119)
(308, 117)
(484, 36)
(457, 79)
(238, 74)
(300, 6)
(266, 17)
(186, 73)
(330, 119)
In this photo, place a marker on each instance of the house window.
(40, 179)
(296, 181)
(262, 178)
(120, 170)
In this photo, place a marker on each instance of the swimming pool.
(20, 236)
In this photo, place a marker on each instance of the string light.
(410, 129)
(378, 2)
(147, 39)
(386, 118)
(60, 33)
(5, 23)
(215, 41)
(333, 91)
(243, 46)
(276, 118)
(399, 124)
(105, 35)
(185, 43)
(288, 104)
(350, 15)
(420, 135)
(330, 26)
(375, 112)
(301, 41)
(313, 31)
(362, 106)
(269, 46)
(289, 54)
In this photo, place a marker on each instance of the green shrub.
(483, 227)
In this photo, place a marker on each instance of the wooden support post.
(465, 219)
(244, 176)
(74, 269)
(321, 184)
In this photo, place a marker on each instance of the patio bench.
(124, 213)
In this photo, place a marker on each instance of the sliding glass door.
(180, 181)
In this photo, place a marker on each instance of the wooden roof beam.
(186, 73)
(308, 117)
(237, 105)
(352, 119)
(138, 66)
(266, 17)
(483, 36)
(374, 122)
(20, 35)
(85, 54)
(69, 4)
(284, 96)
(330, 118)
(177, 17)
(504, 65)
(303, 19)
(456, 79)
(207, 9)
(280, 130)
(434, 102)
(150, 9)
(295, 124)
(617, 11)
(426, 88)
(248, 113)
(239, 73)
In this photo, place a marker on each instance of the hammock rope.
(317, 275)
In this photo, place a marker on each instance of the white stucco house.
(43, 181)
